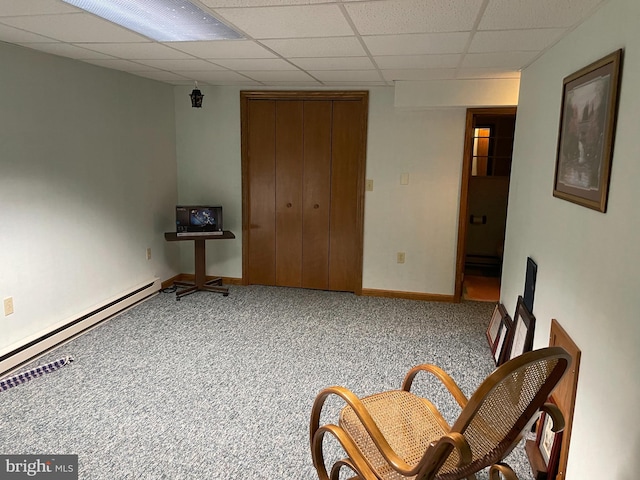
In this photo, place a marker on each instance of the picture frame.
(502, 339)
(524, 323)
(548, 443)
(586, 135)
(495, 325)
(530, 283)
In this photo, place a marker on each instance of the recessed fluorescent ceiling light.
(161, 20)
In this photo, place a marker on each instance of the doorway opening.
(484, 196)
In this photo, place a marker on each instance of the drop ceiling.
(313, 42)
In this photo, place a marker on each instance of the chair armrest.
(443, 376)
(439, 450)
(556, 415)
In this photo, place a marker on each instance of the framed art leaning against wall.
(587, 130)
(521, 339)
(496, 325)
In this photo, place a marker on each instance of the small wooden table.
(200, 282)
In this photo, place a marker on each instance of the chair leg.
(335, 470)
(501, 468)
(354, 462)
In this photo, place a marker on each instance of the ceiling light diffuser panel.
(161, 20)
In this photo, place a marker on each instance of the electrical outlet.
(8, 306)
(400, 257)
(149, 253)
(369, 185)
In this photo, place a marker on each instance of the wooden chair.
(398, 435)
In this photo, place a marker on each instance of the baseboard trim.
(425, 297)
(367, 292)
(32, 347)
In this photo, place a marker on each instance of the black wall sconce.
(196, 97)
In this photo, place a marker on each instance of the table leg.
(200, 263)
(200, 282)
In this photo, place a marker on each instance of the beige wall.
(587, 261)
(87, 184)
(419, 219)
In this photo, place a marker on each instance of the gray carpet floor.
(215, 387)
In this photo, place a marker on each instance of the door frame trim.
(355, 95)
(464, 189)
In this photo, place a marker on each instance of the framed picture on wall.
(587, 130)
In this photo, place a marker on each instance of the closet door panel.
(317, 194)
(343, 247)
(262, 182)
(289, 171)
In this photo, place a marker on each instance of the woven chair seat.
(409, 423)
(420, 445)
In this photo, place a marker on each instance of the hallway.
(481, 288)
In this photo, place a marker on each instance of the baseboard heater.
(36, 345)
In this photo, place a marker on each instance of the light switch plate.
(8, 306)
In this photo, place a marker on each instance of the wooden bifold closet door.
(303, 177)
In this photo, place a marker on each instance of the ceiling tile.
(257, 3)
(192, 64)
(513, 14)
(288, 22)
(15, 35)
(241, 83)
(223, 49)
(312, 83)
(67, 50)
(217, 77)
(120, 64)
(346, 75)
(414, 16)
(277, 76)
(255, 64)
(417, 43)
(135, 51)
(168, 77)
(397, 62)
(419, 74)
(9, 8)
(317, 47)
(355, 84)
(515, 60)
(334, 63)
(75, 28)
(349, 43)
(237, 83)
(464, 73)
(518, 40)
